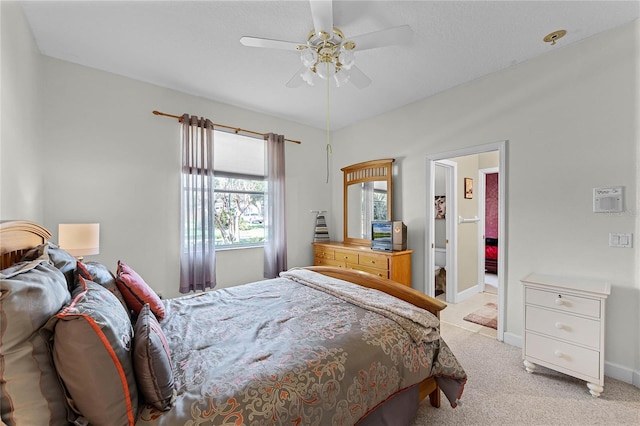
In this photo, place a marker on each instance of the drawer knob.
(559, 302)
(558, 354)
(559, 325)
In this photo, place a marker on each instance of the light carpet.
(500, 392)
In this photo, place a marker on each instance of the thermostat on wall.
(608, 200)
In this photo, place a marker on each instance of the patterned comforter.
(299, 349)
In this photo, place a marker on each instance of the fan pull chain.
(329, 150)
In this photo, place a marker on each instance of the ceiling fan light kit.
(327, 54)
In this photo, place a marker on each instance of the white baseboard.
(465, 294)
(513, 340)
(624, 374)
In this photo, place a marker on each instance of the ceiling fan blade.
(357, 77)
(389, 37)
(322, 14)
(269, 43)
(296, 80)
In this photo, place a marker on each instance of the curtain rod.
(235, 129)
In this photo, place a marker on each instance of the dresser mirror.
(367, 197)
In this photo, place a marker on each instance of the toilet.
(440, 261)
(440, 258)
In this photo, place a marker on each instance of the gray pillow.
(100, 274)
(30, 293)
(152, 361)
(61, 259)
(91, 347)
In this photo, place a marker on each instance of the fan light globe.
(347, 59)
(307, 76)
(326, 69)
(308, 57)
(340, 78)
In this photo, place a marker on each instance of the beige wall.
(112, 161)
(21, 114)
(571, 121)
(467, 232)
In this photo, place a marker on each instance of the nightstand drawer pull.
(558, 353)
(559, 301)
(559, 325)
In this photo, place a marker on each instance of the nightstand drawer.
(374, 261)
(563, 302)
(321, 252)
(574, 329)
(346, 256)
(563, 355)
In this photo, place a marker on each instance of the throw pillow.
(136, 291)
(92, 338)
(30, 293)
(152, 362)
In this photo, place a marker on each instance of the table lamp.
(79, 239)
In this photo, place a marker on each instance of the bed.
(81, 344)
(491, 255)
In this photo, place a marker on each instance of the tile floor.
(454, 313)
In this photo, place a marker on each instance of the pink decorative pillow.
(136, 291)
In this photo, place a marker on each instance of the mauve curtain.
(275, 250)
(197, 254)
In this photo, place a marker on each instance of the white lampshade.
(79, 239)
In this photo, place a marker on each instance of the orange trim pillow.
(92, 350)
(136, 292)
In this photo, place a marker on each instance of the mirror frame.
(368, 171)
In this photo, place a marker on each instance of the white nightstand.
(564, 326)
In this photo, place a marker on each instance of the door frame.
(482, 192)
(501, 147)
(451, 232)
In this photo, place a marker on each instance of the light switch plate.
(620, 240)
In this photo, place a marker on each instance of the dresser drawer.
(564, 326)
(585, 362)
(320, 261)
(384, 273)
(374, 261)
(324, 253)
(563, 302)
(346, 256)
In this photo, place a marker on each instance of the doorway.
(488, 232)
(460, 224)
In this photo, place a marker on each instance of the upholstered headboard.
(18, 236)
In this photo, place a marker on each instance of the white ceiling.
(193, 46)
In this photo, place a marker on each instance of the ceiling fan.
(327, 53)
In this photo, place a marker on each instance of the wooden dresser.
(395, 265)
(564, 326)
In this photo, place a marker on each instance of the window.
(240, 185)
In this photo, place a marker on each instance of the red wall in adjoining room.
(491, 206)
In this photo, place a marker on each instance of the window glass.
(240, 186)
